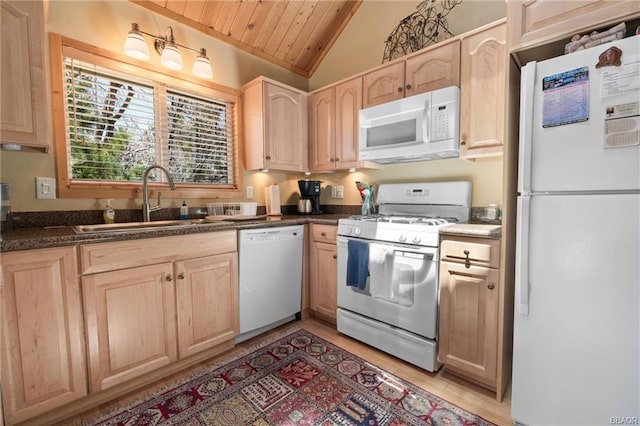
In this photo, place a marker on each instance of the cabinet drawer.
(324, 233)
(126, 254)
(475, 251)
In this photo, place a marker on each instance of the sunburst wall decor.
(427, 25)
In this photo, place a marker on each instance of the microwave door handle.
(426, 126)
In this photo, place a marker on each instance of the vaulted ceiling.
(293, 34)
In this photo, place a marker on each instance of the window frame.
(60, 46)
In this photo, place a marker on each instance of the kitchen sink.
(135, 226)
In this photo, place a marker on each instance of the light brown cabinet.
(333, 126)
(536, 22)
(43, 357)
(431, 69)
(275, 126)
(207, 301)
(151, 302)
(323, 267)
(24, 101)
(483, 92)
(470, 288)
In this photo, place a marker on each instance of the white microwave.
(420, 127)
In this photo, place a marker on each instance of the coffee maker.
(309, 202)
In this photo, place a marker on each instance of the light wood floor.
(468, 396)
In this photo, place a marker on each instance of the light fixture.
(167, 47)
(134, 45)
(202, 66)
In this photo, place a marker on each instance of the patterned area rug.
(299, 379)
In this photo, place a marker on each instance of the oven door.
(402, 289)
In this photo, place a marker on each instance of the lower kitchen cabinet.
(151, 302)
(130, 321)
(207, 300)
(43, 358)
(470, 288)
(323, 266)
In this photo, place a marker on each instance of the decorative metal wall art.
(427, 25)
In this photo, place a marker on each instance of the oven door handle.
(422, 251)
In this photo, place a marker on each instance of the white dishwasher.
(270, 277)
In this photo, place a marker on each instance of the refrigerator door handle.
(527, 96)
(522, 255)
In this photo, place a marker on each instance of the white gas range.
(388, 268)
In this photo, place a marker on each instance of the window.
(119, 119)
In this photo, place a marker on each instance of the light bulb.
(202, 66)
(134, 45)
(171, 57)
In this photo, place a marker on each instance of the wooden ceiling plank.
(330, 22)
(211, 13)
(193, 9)
(257, 22)
(270, 24)
(245, 12)
(176, 6)
(288, 18)
(314, 29)
(332, 35)
(226, 16)
(297, 28)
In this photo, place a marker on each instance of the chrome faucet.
(146, 207)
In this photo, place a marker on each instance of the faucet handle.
(159, 194)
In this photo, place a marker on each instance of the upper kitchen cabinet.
(537, 22)
(275, 126)
(433, 68)
(333, 126)
(23, 105)
(482, 91)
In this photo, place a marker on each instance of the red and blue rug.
(299, 379)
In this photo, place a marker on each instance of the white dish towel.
(380, 271)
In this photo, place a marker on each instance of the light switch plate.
(249, 192)
(339, 191)
(45, 188)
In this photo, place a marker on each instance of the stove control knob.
(402, 238)
(356, 231)
(416, 239)
(347, 230)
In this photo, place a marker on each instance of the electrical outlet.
(45, 188)
(339, 191)
(333, 191)
(249, 192)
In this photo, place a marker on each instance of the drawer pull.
(467, 262)
(323, 234)
(181, 275)
(335, 256)
(491, 286)
(169, 278)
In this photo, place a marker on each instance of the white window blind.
(119, 124)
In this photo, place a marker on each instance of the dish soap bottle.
(109, 214)
(184, 211)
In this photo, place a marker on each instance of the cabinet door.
(383, 85)
(323, 297)
(23, 108)
(207, 301)
(130, 322)
(468, 326)
(322, 130)
(434, 69)
(285, 128)
(482, 93)
(348, 106)
(535, 22)
(43, 364)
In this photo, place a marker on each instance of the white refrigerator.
(576, 357)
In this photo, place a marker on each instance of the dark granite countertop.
(62, 235)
